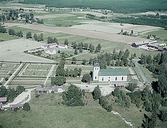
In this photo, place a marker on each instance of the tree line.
(11, 93)
(151, 20)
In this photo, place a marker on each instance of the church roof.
(113, 72)
(96, 63)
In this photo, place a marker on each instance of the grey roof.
(3, 99)
(113, 72)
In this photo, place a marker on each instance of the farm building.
(50, 51)
(52, 45)
(50, 89)
(16, 106)
(137, 44)
(62, 46)
(3, 100)
(104, 75)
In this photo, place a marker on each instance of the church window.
(95, 77)
(116, 78)
(102, 78)
(122, 78)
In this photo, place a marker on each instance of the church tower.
(96, 69)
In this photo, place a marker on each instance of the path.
(53, 66)
(22, 98)
(13, 75)
(133, 75)
(80, 54)
(145, 79)
(21, 73)
(128, 123)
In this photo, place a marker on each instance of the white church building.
(106, 75)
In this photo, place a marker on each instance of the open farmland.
(86, 33)
(13, 50)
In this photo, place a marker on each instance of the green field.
(65, 21)
(160, 32)
(6, 37)
(45, 112)
(25, 30)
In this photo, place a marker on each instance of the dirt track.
(88, 33)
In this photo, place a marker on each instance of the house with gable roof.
(108, 75)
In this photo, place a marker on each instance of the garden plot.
(35, 70)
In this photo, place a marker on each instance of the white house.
(62, 46)
(104, 75)
(52, 45)
(50, 51)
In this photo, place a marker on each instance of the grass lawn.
(6, 37)
(46, 112)
(66, 21)
(149, 74)
(25, 30)
(160, 32)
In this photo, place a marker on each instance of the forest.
(127, 6)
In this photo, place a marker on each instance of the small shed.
(3, 100)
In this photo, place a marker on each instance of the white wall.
(95, 73)
(112, 78)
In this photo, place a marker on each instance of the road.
(105, 88)
(22, 98)
(145, 79)
(50, 72)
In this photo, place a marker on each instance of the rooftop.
(113, 72)
(96, 63)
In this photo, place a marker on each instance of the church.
(106, 75)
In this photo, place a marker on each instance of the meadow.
(47, 111)
(160, 32)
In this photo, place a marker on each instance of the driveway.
(22, 98)
(145, 79)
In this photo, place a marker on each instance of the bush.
(26, 107)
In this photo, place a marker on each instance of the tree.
(35, 37)
(131, 86)
(96, 93)
(11, 94)
(84, 62)
(26, 107)
(66, 42)
(76, 52)
(58, 80)
(20, 89)
(163, 115)
(86, 78)
(73, 60)
(28, 35)
(73, 96)
(49, 40)
(3, 91)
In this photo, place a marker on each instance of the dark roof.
(113, 72)
(3, 99)
(96, 63)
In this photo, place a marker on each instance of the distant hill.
(123, 6)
